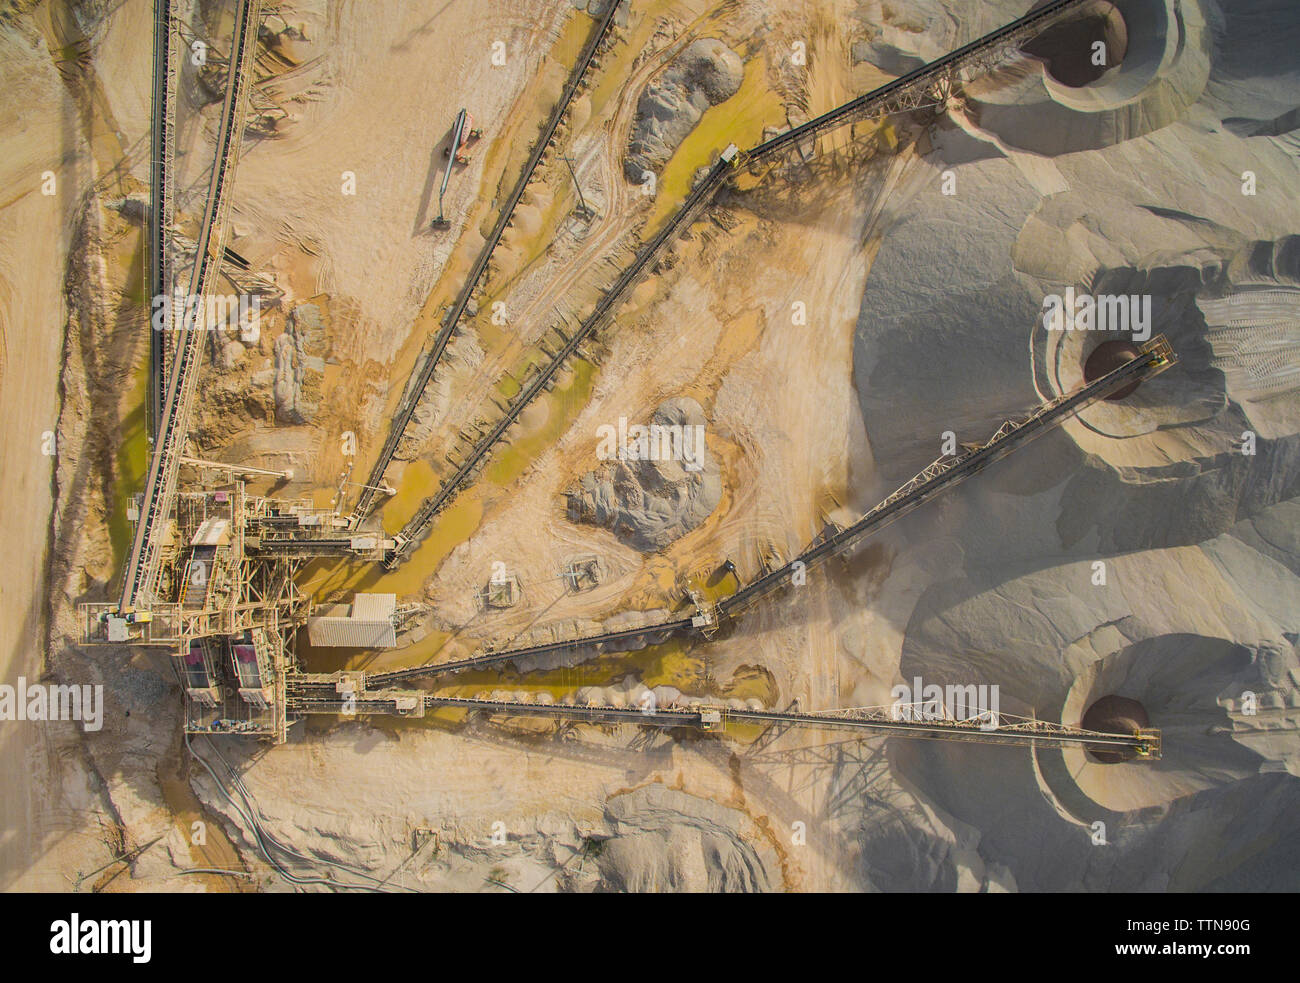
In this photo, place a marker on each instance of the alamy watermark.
(1102, 312)
(38, 701)
(76, 936)
(920, 702)
(241, 312)
(653, 442)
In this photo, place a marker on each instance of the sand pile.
(300, 365)
(666, 840)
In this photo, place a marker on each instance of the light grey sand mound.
(666, 840)
(650, 503)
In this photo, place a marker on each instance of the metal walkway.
(160, 489)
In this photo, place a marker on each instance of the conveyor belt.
(182, 382)
(162, 203)
(1002, 729)
(922, 79)
(1155, 358)
(660, 631)
(410, 535)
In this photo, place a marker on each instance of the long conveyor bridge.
(907, 720)
(182, 382)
